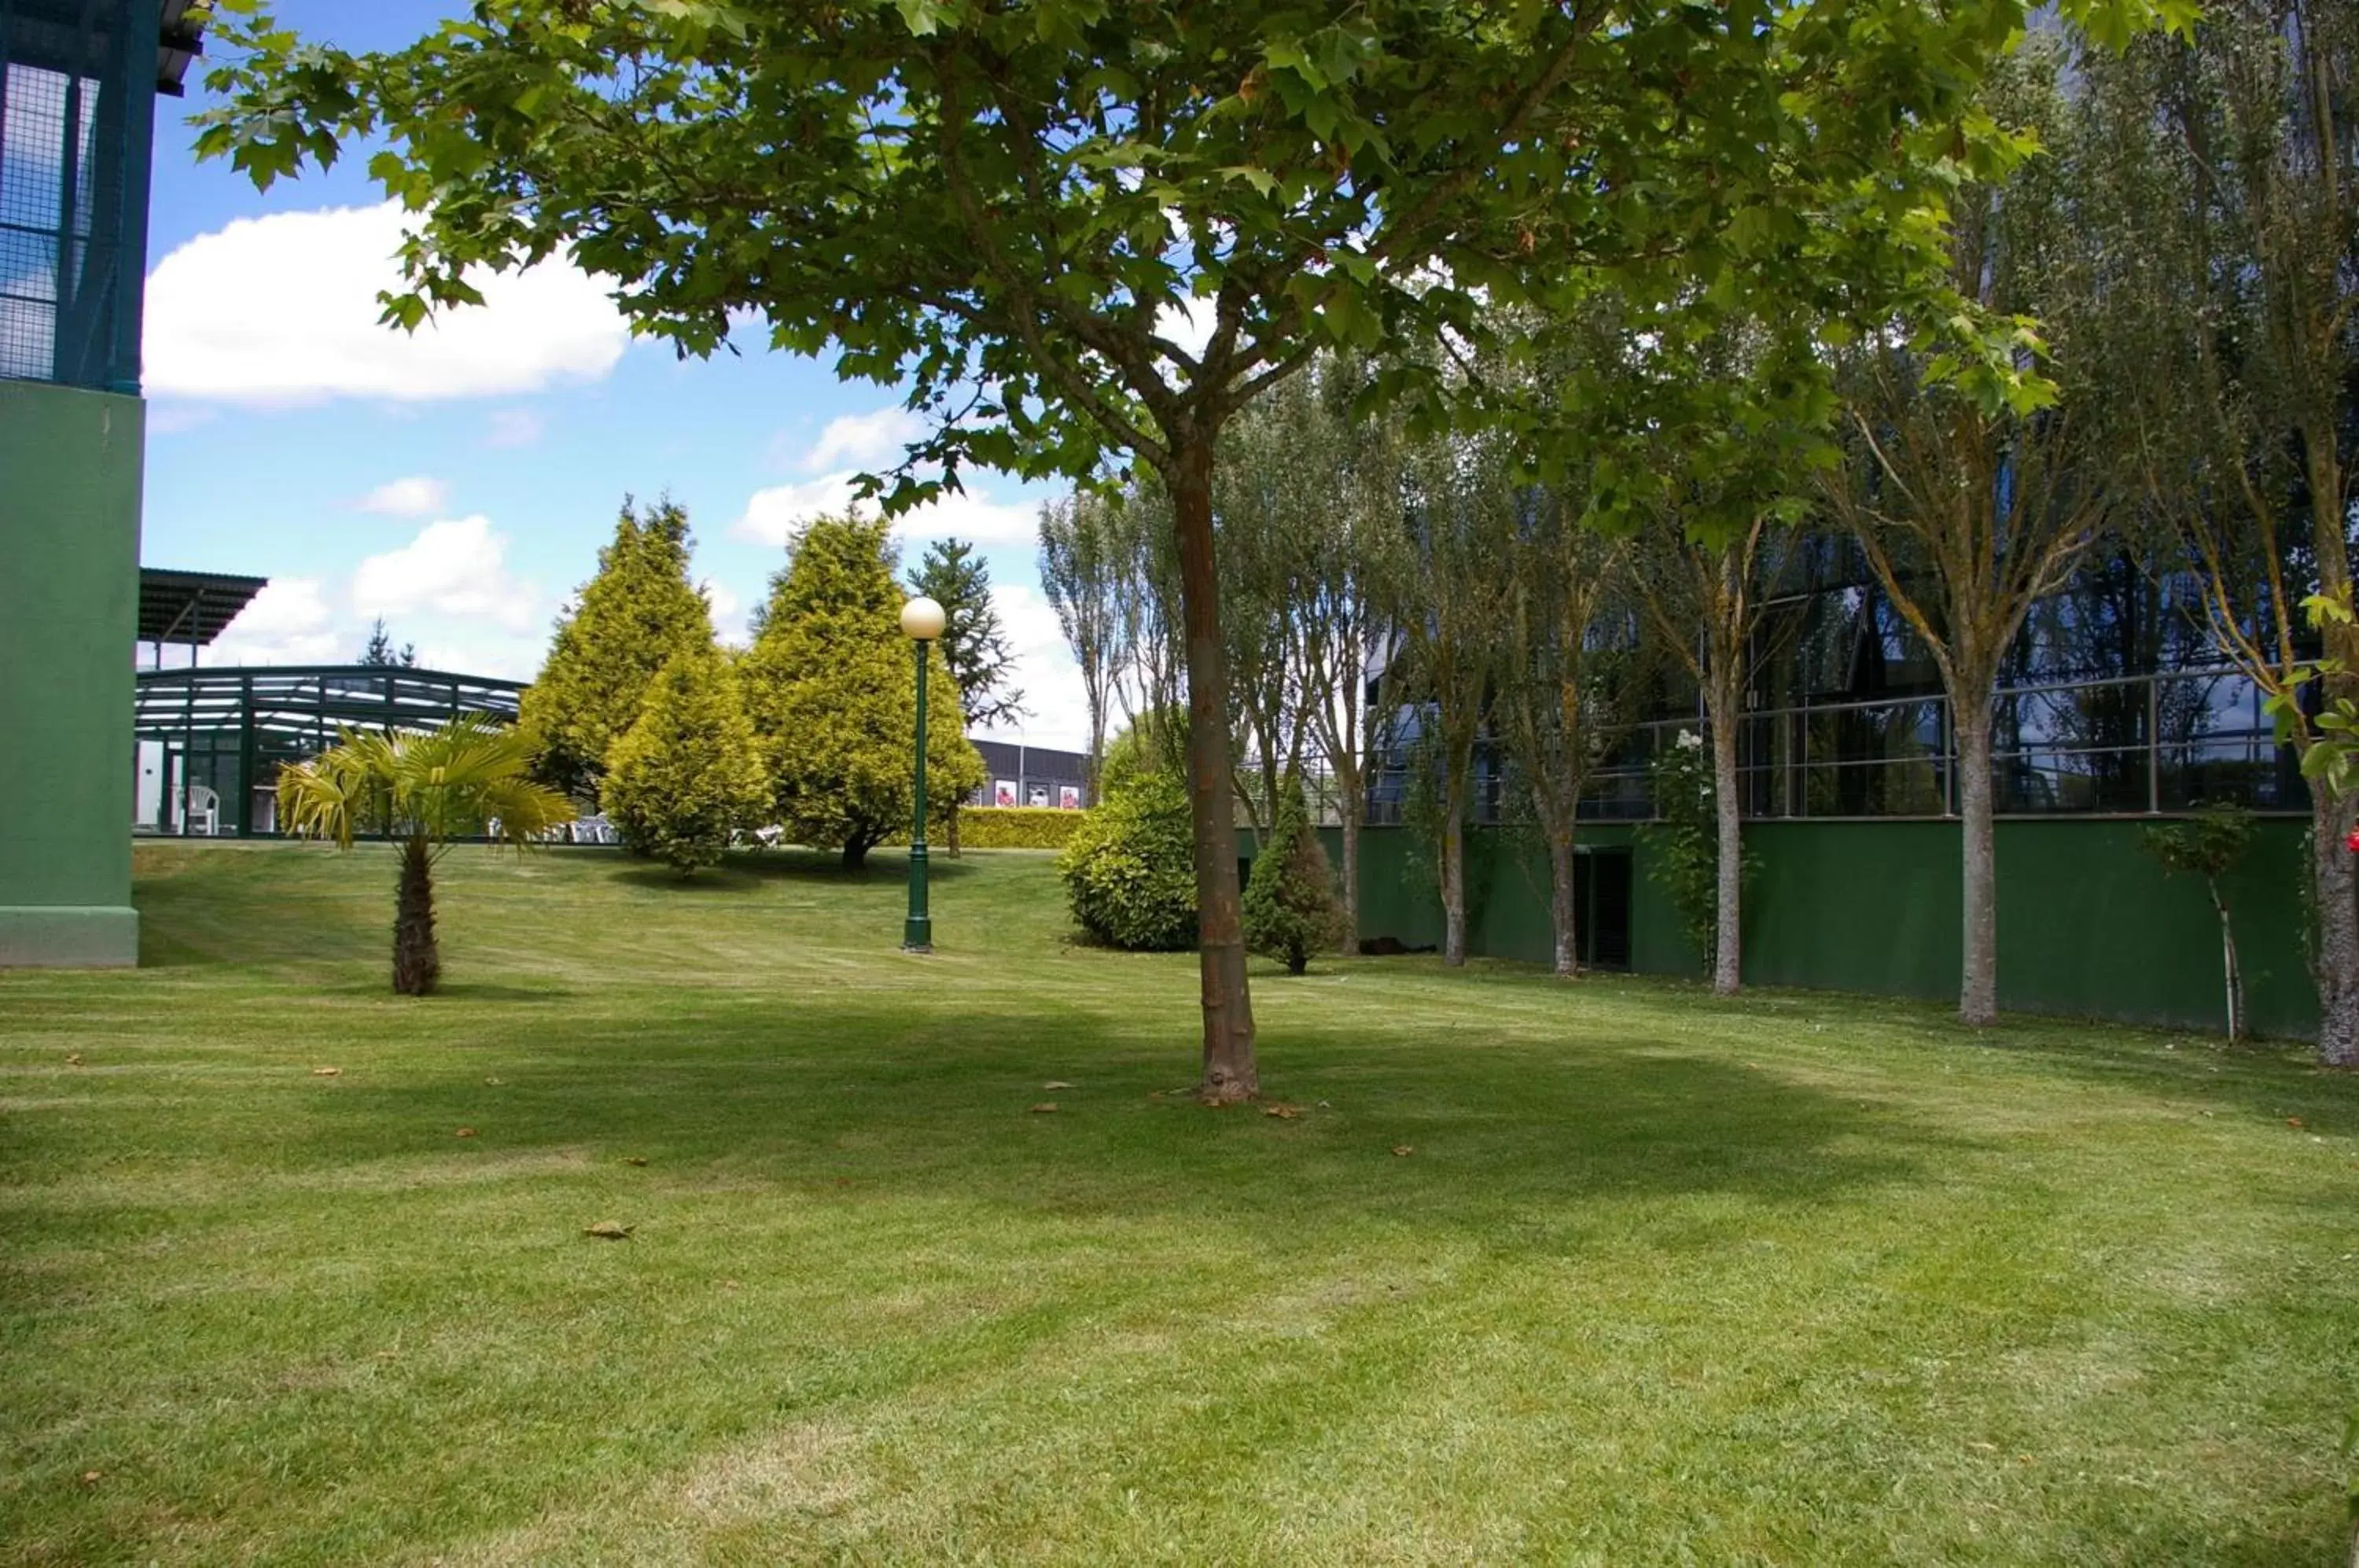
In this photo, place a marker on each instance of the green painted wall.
(2088, 924)
(69, 607)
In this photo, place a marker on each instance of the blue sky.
(459, 485)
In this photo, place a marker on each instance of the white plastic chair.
(202, 813)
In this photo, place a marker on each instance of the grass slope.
(1801, 1280)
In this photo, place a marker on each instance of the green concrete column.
(68, 611)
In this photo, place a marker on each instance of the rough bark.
(417, 960)
(1978, 984)
(1561, 908)
(1229, 1071)
(2336, 960)
(1721, 701)
(1454, 866)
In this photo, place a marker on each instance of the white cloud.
(282, 309)
(413, 497)
(1045, 672)
(771, 515)
(456, 567)
(1187, 324)
(290, 621)
(515, 426)
(728, 613)
(863, 441)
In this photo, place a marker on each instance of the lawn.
(1606, 1273)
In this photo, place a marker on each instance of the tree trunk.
(1728, 813)
(1453, 868)
(417, 960)
(2336, 963)
(951, 828)
(1229, 1071)
(855, 853)
(2232, 973)
(1978, 984)
(1561, 905)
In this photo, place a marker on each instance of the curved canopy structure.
(211, 741)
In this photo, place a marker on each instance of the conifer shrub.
(639, 610)
(1129, 868)
(687, 775)
(831, 687)
(1291, 910)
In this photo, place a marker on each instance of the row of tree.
(2179, 262)
(687, 745)
(1003, 210)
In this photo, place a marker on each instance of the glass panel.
(2047, 780)
(1904, 789)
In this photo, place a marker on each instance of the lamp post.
(921, 622)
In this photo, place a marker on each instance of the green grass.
(1801, 1280)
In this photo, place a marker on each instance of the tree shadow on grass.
(847, 1100)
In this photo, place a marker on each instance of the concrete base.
(64, 937)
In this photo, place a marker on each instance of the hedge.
(1015, 827)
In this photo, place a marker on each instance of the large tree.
(626, 623)
(1080, 552)
(1018, 209)
(2224, 171)
(1970, 509)
(1571, 679)
(1462, 517)
(974, 640)
(831, 687)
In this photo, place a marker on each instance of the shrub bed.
(1015, 827)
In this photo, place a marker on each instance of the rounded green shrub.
(1129, 868)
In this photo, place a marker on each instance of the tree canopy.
(627, 622)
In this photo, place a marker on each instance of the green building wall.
(2089, 924)
(69, 482)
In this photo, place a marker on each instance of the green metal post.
(917, 934)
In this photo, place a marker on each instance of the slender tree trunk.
(2336, 962)
(951, 828)
(1728, 813)
(1229, 1071)
(1978, 984)
(2232, 973)
(855, 853)
(1561, 904)
(1453, 866)
(417, 960)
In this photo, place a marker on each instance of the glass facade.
(78, 84)
(2113, 701)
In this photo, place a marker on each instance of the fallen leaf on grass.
(633, 1159)
(609, 1230)
(2293, 1121)
(1053, 1085)
(496, 1082)
(74, 1060)
(91, 1478)
(466, 1132)
(1404, 1150)
(327, 1072)
(1282, 1111)
(1044, 1107)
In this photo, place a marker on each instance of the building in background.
(77, 86)
(1020, 775)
